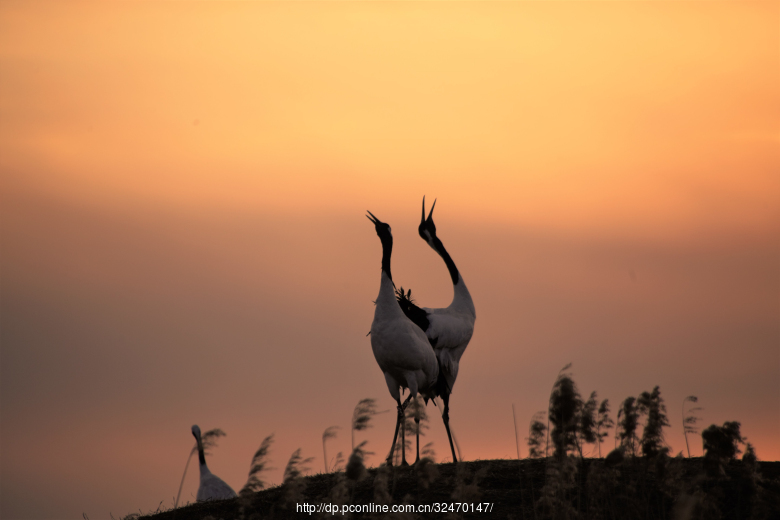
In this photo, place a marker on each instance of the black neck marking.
(387, 251)
(199, 442)
(439, 247)
(386, 237)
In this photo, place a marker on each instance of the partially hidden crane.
(400, 347)
(448, 329)
(211, 486)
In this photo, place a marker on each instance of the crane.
(400, 347)
(448, 329)
(211, 486)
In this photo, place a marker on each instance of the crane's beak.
(373, 219)
(424, 220)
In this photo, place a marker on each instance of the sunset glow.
(184, 185)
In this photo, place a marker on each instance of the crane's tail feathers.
(411, 310)
(443, 387)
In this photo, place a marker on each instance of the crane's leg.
(417, 424)
(398, 423)
(446, 417)
(403, 434)
(395, 435)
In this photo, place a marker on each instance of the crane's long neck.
(387, 251)
(202, 457)
(439, 248)
(462, 298)
(386, 300)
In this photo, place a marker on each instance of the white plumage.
(211, 486)
(400, 347)
(450, 330)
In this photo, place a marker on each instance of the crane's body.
(400, 347)
(448, 329)
(211, 486)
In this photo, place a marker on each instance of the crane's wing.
(214, 488)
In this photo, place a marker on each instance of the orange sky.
(183, 240)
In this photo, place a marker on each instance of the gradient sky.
(183, 235)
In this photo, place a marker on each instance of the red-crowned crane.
(449, 330)
(211, 486)
(400, 347)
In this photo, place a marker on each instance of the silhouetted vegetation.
(690, 419)
(638, 480)
(361, 416)
(632, 490)
(564, 414)
(722, 442)
(627, 421)
(603, 423)
(356, 468)
(660, 486)
(517, 436)
(329, 433)
(258, 465)
(294, 483)
(721, 445)
(587, 425)
(574, 422)
(651, 405)
(535, 439)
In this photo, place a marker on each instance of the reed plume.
(293, 480)
(604, 423)
(329, 433)
(361, 416)
(258, 465)
(690, 419)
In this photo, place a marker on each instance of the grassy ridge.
(537, 489)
